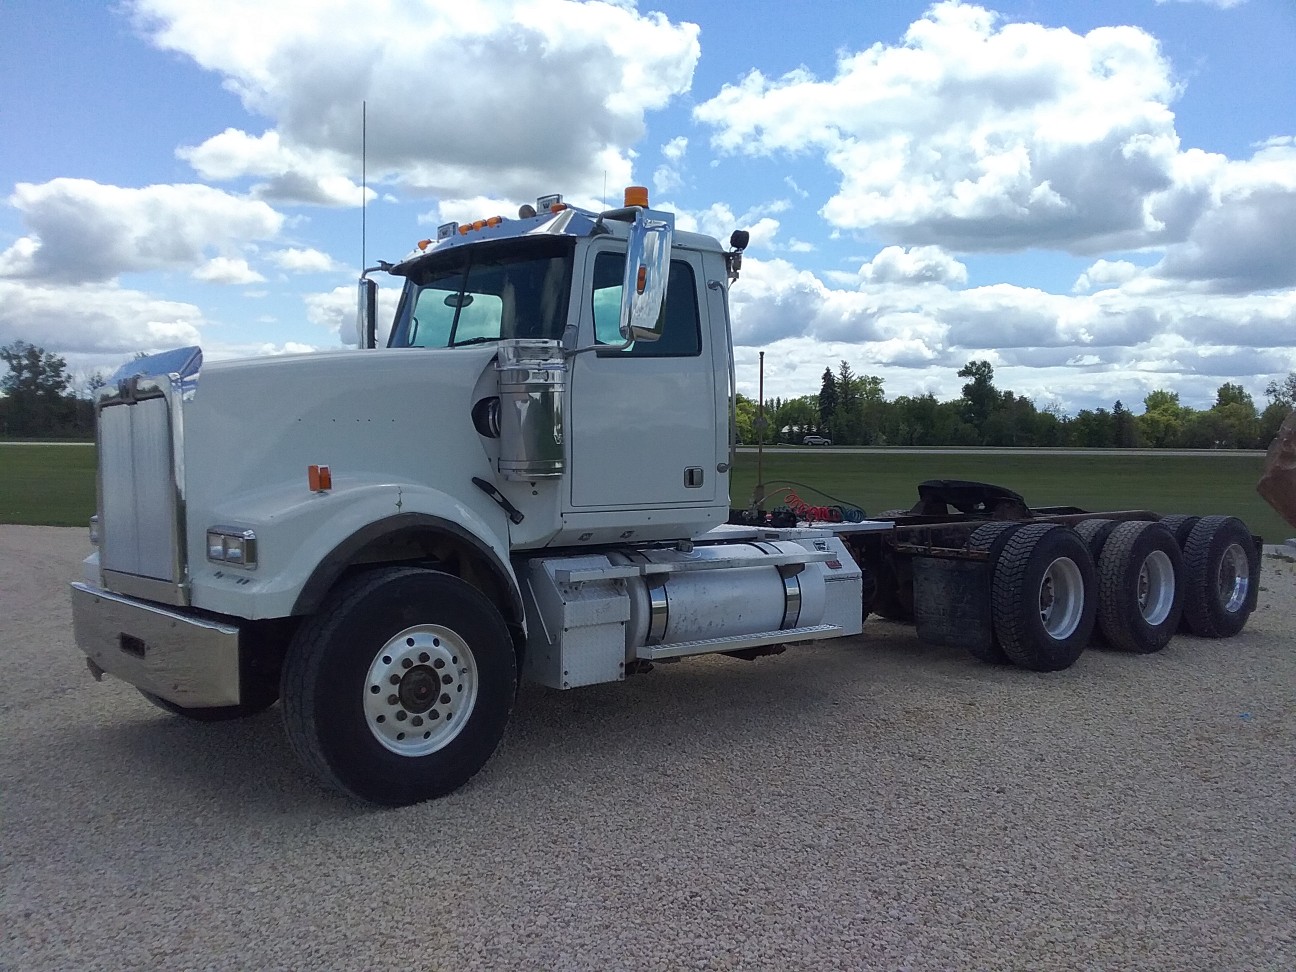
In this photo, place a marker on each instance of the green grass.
(1166, 484)
(47, 485)
(54, 485)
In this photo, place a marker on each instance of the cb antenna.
(364, 181)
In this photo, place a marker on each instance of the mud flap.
(952, 602)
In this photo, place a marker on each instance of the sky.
(1098, 197)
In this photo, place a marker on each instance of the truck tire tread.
(1015, 592)
(1120, 618)
(303, 679)
(1204, 612)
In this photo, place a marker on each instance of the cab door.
(643, 423)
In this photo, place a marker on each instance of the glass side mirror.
(647, 271)
(367, 314)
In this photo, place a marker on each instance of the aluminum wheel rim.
(1156, 588)
(1061, 598)
(420, 690)
(1234, 579)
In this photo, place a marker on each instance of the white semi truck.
(531, 480)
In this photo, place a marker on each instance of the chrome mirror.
(367, 314)
(647, 270)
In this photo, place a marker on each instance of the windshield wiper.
(476, 340)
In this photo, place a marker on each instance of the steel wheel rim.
(1156, 587)
(1234, 578)
(1061, 598)
(420, 690)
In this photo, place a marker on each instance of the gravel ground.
(869, 803)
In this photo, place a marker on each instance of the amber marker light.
(642, 283)
(319, 478)
(636, 196)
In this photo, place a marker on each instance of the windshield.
(515, 288)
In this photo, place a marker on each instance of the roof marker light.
(424, 244)
(636, 196)
(494, 220)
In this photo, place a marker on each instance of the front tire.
(401, 691)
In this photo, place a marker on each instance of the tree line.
(40, 398)
(852, 409)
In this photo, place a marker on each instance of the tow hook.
(95, 670)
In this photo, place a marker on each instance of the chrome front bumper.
(189, 661)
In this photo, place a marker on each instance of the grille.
(138, 518)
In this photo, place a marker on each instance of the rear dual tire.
(1041, 598)
(1221, 576)
(1140, 596)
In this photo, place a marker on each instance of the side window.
(682, 335)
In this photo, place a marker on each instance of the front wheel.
(400, 691)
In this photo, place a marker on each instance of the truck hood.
(399, 416)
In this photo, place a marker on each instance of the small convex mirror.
(647, 270)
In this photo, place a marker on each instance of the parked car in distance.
(816, 440)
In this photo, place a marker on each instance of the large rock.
(1278, 484)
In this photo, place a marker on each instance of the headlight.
(230, 545)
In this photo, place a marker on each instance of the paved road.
(867, 804)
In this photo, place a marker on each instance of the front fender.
(305, 540)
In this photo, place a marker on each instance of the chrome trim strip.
(791, 596)
(659, 602)
(132, 585)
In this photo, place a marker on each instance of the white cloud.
(977, 134)
(719, 221)
(84, 231)
(668, 176)
(522, 97)
(1105, 273)
(1244, 240)
(334, 311)
(919, 264)
(94, 319)
(919, 331)
(293, 175)
(227, 270)
(308, 260)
